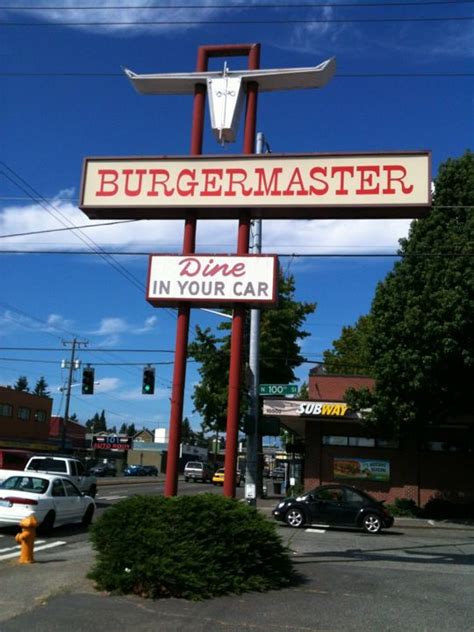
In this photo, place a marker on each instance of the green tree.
(41, 388)
(303, 393)
(280, 333)
(187, 433)
(123, 429)
(22, 384)
(422, 340)
(350, 352)
(97, 423)
(131, 430)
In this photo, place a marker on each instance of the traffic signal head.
(148, 386)
(88, 381)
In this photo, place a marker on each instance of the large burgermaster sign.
(308, 186)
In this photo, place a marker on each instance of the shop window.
(387, 443)
(334, 440)
(40, 415)
(24, 413)
(362, 442)
(6, 410)
(442, 446)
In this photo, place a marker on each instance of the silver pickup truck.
(72, 467)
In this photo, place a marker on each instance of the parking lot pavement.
(416, 576)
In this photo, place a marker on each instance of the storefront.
(339, 448)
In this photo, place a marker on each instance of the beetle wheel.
(371, 523)
(295, 518)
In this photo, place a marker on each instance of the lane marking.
(110, 497)
(50, 545)
(10, 548)
(311, 530)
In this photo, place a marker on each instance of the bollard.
(27, 539)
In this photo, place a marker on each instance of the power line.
(86, 240)
(264, 5)
(68, 228)
(346, 255)
(234, 22)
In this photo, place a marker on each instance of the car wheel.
(371, 523)
(48, 522)
(295, 518)
(92, 491)
(87, 517)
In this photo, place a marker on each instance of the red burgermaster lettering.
(310, 181)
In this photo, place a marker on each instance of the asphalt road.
(413, 578)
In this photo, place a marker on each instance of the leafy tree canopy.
(280, 331)
(350, 352)
(422, 341)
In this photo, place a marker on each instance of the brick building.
(339, 448)
(24, 420)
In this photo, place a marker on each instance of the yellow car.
(218, 478)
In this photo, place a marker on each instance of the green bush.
(404, 507)
(187, 546)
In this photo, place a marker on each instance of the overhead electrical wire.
(283, 22)
(263, 5)
(52, 210)
(278, 254)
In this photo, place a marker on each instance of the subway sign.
(270, 186)
(304, 408)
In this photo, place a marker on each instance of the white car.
(53, 500)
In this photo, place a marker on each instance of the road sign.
(278, 389)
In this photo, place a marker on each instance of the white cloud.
(112, 327)
(114, 12)
(213, 236)
(107, 384)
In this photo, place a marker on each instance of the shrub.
(404, 507)
(187, 546)
(442, 509)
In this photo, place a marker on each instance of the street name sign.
(217, 280)
(270, 186)
(278, 389)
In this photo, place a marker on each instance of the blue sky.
(400, 85)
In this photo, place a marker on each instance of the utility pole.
(75, 343)
(251, 470)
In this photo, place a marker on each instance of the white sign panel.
(274, 186)
(212, 279)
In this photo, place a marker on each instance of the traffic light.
(148, 386)
(88, 381)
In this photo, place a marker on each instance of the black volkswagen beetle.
(334, 505)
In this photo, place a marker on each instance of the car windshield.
(221, 471)
(26, 484)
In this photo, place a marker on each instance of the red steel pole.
(189, 244)
(182, 325)
(238, 320)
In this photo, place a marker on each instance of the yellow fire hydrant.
(27, 539)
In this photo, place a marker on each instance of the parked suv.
(198, 471)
